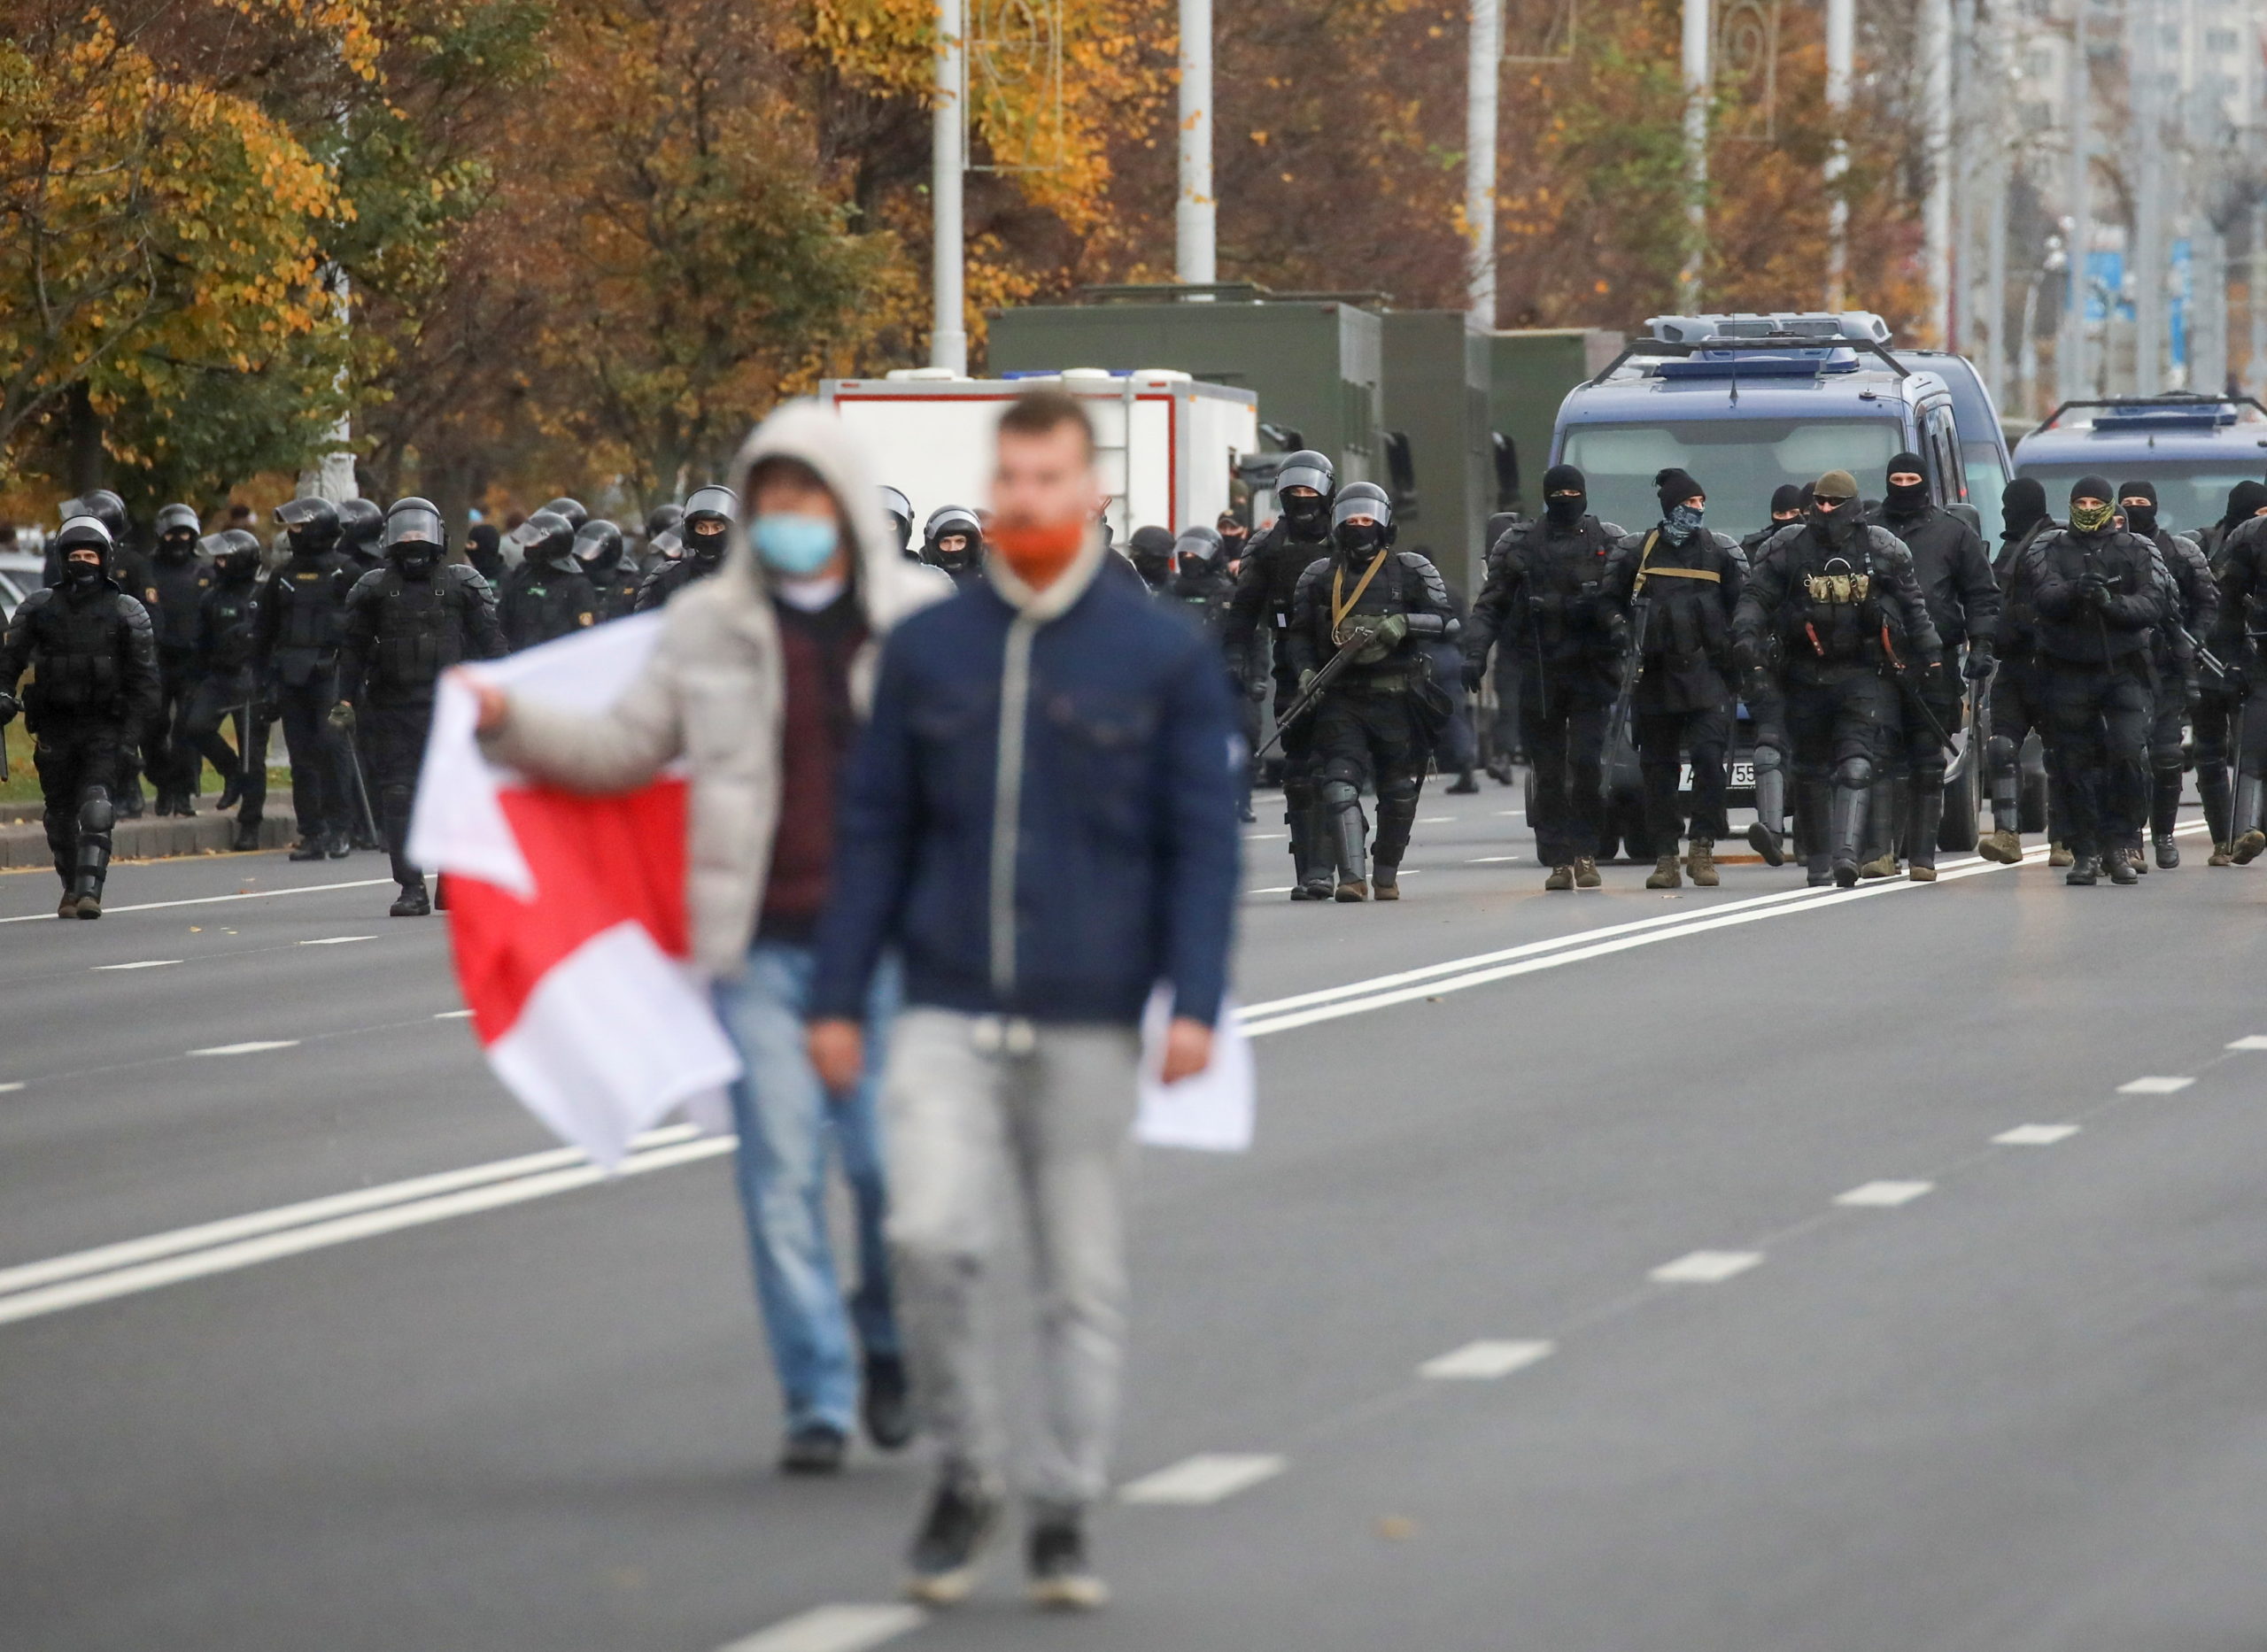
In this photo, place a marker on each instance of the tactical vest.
(180, 586)
(307, 594)
(1834, 614)
(77, 651)
(421, 632)
(1561, 588)
(1685, 585)
(230, 606)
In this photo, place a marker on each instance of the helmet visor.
(414, 527)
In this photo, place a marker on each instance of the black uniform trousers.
(175, 767)
(1664, 738)
(2168, 749)
(392, 737)
(1373, 736)
(1836, 713)
(2214, 726)
(1459, 746)
(1563, 715)
(320, 779)
(78, 758)
(2098, 726)
(216, 701)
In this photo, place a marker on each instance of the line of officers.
(135, 663)
(1860, 637)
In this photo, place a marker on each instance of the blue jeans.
(785, 1122)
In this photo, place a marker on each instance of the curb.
(25, 845)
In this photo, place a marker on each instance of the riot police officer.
(297, 646)
(612, 571)
(2193, 612)
(2095, 594)
(1150, 550)
(1683, 582)
(406, 624)
(705, 530)
(360, 526)
(663, 540)
(2223, 686)
(1767, 706)
(549, 596)
(899, 510)
(1201, 584)
(2017, 710)
(1837, 602)
(1963, 599)
(571, 509)
(180, 578)
(130, 569)
(226, 686)
(1265, 588)
(1544, 602)
(95, 682)
(2240, 567)
(1381, 715)
(953, 539)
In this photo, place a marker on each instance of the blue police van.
(2194, 447)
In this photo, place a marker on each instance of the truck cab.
(2194, 447)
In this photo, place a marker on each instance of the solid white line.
(833, 1629)
(206, 1235)
(1437, 820)
(147, 963)
(337, 940)
(1483, 1361)
(1885, 1195)
(252, 1048)
(1206, 1478)
(1283, 890)
(208, 900)
(2035, 1135)
(454, 1015)
(317, 1236)
(6, 1088)
(1491, 860)
(2162, 1086)
(2250, 1041)
(1705, 1267)
(1266, 836)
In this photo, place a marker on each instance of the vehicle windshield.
(2191, 494)
(1739, 461)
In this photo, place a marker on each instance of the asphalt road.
(2014, 1403)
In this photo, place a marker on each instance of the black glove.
(2192, 690)
(1475, 674)
(9, 706)
(342, 715)
(1979, 661)
(1747, 656)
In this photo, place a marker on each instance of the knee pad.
(1930, 777)
(1767, 760)
(1856, 773)
(2000, 751)
(96, 811)
(1341, 771)
(1399, 788)
(1340, 794)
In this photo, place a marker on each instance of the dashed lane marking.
(1883, 1195)
(1283, 889)
(1207, 1477)
(252, 1048)
(210, 900)
(1266, 836)
(1483, 1361)
(1437, 820)
(1491, 860)
(143, 963)
(9, 1089)
(2035, 1135)
(454, 1015)
(2156, 1086)
(834, 1629)
(2250, 1041)
(337, 940)
(1706, 1267)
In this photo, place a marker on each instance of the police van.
(1745, 402)
(2194, 447)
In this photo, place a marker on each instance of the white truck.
(1168, 444)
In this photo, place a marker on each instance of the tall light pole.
(1841, 62)
(1697, 18)
(1195, 260)
(948, 327)
(2073, 374)
(2150, 333)
(1936, 137)
(1992, 106)
(1483, 80)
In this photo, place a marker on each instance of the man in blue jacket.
(1041, 819)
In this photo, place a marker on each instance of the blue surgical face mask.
(797, 546)
(1681, 522)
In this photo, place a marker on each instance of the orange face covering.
(1037, 552)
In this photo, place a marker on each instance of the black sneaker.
(813, 1448)
(885, 1405)
(947, 1551)
(1061, 1578)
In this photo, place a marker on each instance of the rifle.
(1311, 696)
(1633, 667)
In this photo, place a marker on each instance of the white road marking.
(1491, 860)
(2251, 1041)
(1437, 820)
(317, 1236)
(2158, 1086)
(1706, 1267)
(337, 940)
(1885, 1195)
(1512, 814)
(1207, 1477)
(1482, 1362)
(1283, 890)
(2035, 1135)
(208, 900)
(1266, 836)
(833, 1629)
(252, 1048)
(147, 963)
(454, 1015)
(7, 1088)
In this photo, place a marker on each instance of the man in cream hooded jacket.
(759, 677)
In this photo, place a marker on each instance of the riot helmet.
(415, 541)
(899, 509)
(1197, 546)
(310, 525)
(178, 530)
(1361, 518)
(661, 518)
(571, 509)
(545, 537)
(235, 553)
(957, 524)
(1150, 552)
(360, 526)
(104, 506)
(598, 546)
(84, 533)
(707, 528)
(1304, 484)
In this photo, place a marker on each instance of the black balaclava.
(1560, 479)
(1835, 526)
(1150, 550)
(2142, 519)
(1679, 521)
(2023, 506)
(483, 550)
(2246, 499)
(2096, 520)
(1911, 499)
(1787, 503)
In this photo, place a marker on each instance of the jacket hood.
(805, 431)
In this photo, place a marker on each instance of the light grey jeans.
(987, 1121)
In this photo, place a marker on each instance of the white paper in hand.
(1214, 1112)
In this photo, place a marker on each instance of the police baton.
(354, 767)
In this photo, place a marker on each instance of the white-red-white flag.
(568, 913)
